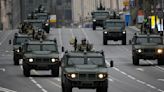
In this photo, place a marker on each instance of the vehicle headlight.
(101, 75)
(124, 32)
(94, 20)
(159, 51)
(30, 60)
(105, 32)
(53, 60)
(46, 24)
(18, 50)
(139, 50)
(72, 75)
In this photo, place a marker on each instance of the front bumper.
(42, 65)
(149, 56)
(114, 35)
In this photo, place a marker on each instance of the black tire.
(55, 72)
(160, 61)
(26, 71)
(105, 41)
(124, 41)
(94, 27)
(66, 87)
(135, 60)
(16, 61)
(103, 88)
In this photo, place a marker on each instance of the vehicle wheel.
(105, 41)
(94, 27)
(55, 72)
(124, 41)
(103, 88)
(16, 61)
(161, 61)
(135, 61)
(66, 87)
(26, 71)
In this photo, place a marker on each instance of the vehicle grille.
(42, 59)
(87, 76)
(149, 50)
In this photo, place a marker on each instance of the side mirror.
(10, 42)
(111, 63)
(62, 49)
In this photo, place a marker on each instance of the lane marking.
(161, 80)
(135, 79)
(35, 82)
(57, 85)
(140, 69)
(6, 90)
(2, 69)
(58, 79)
(158, 67)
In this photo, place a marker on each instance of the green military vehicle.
(45, 17)
(17, 44)
(84, 70)
(147, 47)
(41, 55)
(114, 30)
(98, 17)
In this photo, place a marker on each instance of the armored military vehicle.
(114, 30)
(98, 17)
(41, 55)
(84, 70)
(147, 47)
(18, 40)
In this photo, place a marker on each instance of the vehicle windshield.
(100, 14)
(37, 24)
(114, 24)
(82, 61)
(142, 40)
(39, 47)
(42, 17)
(20, 40)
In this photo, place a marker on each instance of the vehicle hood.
(114, 29)
(41, 54)
(148, 46)
(16, 46)
(86, 68)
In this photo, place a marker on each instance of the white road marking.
(161, 80)
(133, 78)
(37, 84)
(2, 69)
(6, 90)
(140, 69)
(60, 37)
(158, 67)
(72, 32)
(110, 79)
(58, 79)
(57, 85)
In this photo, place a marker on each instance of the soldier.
(84, 45)
(75, 44)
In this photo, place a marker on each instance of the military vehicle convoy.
(41, 55)
(147, 47)
(84, 70)
(98, 17)
(114, 30)
(18, 40)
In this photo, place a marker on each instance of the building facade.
(81, 9)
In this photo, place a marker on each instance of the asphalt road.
(123, 77)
